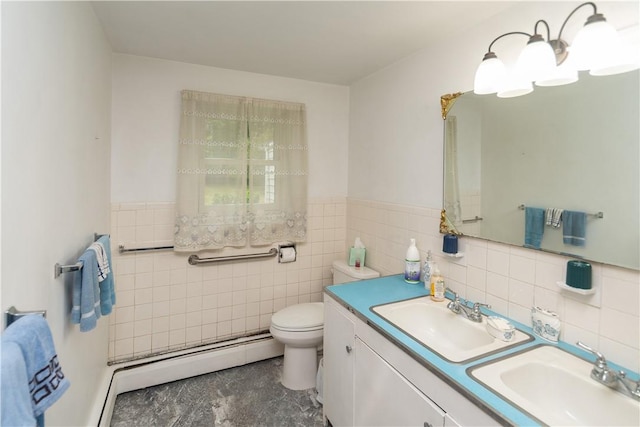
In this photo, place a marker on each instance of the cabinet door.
(338, 364)
(450, 422)
(385, 398)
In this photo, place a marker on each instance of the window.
(242, 172)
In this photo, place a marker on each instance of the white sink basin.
(452, 336)
(555, 387)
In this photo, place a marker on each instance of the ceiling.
(336, 42)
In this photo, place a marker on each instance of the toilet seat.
(299, 318)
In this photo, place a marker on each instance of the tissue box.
(357, 253)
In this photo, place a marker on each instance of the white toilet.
(300, 327)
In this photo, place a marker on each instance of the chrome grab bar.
(195, 259)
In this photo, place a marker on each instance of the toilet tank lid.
(299, 316)
(360, 274)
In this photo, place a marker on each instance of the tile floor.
(249, 395)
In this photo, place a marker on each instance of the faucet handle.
(476, 306)
(634, 392)
(600, 371)
(601, 361)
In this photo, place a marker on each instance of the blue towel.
(533, 227)
(86, 293)
(32, 379)
(574, 228)
(107, 286)
(16, 399)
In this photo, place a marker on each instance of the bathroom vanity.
(376, 374)
(369, 381)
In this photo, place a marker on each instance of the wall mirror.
(573, 147)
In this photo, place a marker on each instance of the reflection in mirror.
(573, 147)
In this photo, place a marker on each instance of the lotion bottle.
(412, 264)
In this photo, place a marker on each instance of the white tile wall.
(510, 278)
(165, 304)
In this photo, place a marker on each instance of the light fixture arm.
(535, 28)
(504, 35)
(595, 12)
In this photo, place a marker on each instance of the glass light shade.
(490, 75)
(516, 85)
(563, 74)
(591, 44)
(618, 59)
(537, 60)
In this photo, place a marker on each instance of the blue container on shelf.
(450, 244)
(578, 274)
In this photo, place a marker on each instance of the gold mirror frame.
(446, 102)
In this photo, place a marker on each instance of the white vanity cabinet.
(338, 364)
(369, 381)
(385, 398)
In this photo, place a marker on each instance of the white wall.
(146, 112)
(56, 92)
(395, 185)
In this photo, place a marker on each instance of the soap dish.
(500, 328)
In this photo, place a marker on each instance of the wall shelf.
(566, 287)
(456, 255)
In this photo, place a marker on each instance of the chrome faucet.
(607, 376)
(460, 306)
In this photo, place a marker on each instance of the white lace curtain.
(242, 172)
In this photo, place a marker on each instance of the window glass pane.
(262, 145)
(223, 141)
(224, 183)
(263, 186)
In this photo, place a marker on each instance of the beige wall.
(166, 304)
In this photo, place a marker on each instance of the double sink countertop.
(363, 295)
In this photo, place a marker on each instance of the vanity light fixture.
(597, 47)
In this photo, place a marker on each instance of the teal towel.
(86, 293)
(533, 227)
(29, 360)
(574, 228)
(107, 286)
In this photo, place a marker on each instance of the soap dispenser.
(437, 284)
(412, 264)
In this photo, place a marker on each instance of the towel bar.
(195, 259)
(475, 219)
(58, 268)
(597, 214)
(122, 249)
(12, 314)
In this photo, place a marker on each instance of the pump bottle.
(412, 264)
(437, 285)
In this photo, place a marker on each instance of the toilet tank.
(343, 273)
